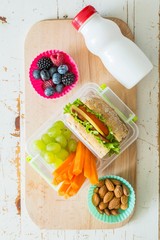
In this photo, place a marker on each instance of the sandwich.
(98, 124)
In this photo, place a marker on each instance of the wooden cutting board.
(45, 208)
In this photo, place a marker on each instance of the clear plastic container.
(35, 159)
(85, 92)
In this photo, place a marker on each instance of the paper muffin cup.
(38, 83)
(123, 214)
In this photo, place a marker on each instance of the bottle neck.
(90, 23)
(82, 16)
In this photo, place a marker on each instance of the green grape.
(53, 147)
(67, 133)
(39, 145)
(49, 157)
(46, 138)
(61, 140)
(58, 162)
(59, 124)
(72, 145)
(63, 154)
(54, 132)
(42, 153)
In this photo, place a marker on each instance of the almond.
(124, 199)
(95, 199)
(118, 206)
(100, 211)
(108, 197)
(116, 182)
(118, 191)
(103, 205)
(100, 183)
(107, 212)
(124, 206)
(114, 203)
(125, 190)
(109, 185)
(102, 191)
(96, 190)
(114, 212)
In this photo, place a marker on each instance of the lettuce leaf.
(77, 103)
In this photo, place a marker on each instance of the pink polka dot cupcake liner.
(58, 58)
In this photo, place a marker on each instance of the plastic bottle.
(122, 57)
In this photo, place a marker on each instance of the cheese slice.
(85, 116)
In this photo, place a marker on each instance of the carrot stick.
(70, 171)
(60, 178)
(78, 181)
(79, 159)
(94, 176)
(62, 190)
(74, 170)
(70, 192)
(90, 170)
(64, 165)
(87, 167)
(55, 182)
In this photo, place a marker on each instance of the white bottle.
(122, 57)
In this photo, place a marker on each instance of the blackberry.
(68, 79)
(44, 63)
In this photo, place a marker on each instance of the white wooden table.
(16, 18)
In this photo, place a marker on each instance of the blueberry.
(59, 87)
(49, 91)
(62, 69)
(52, 70)
(56, 78)
(44, 75)
(36, 74)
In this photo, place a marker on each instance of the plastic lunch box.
(89, 89)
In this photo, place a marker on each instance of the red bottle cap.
(82, 16)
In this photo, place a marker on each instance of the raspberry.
(44, 63)
(68, 79)
(57, 58)
(47, 84)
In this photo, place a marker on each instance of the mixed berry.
(44, 63)
(54, 74)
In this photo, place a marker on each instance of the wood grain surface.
(46, 209)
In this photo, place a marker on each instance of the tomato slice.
(98, 122)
